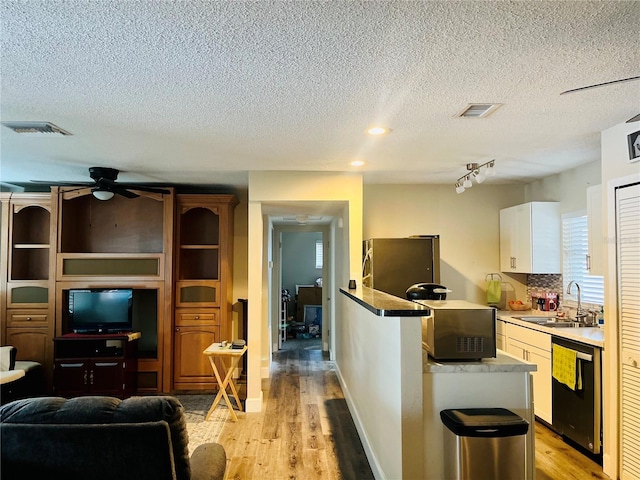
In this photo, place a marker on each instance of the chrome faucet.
(580, 315)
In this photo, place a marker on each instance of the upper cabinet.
(530, 238)
(28, 279)
(595, 261)
(204, 241)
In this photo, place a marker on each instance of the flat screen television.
(100, 310)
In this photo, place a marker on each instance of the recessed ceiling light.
(35, 128)
(357, 163)
(478, 110)
(378, 130)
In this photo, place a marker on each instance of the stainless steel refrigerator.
(394, 264)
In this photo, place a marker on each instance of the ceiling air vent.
(478, 110)
(35, 128)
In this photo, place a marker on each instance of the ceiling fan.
(621, 80)
(104, 185)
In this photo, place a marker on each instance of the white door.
(628, 254)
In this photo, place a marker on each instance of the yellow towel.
(494, 291)
(566, 367)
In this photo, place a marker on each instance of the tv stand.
(95, 364)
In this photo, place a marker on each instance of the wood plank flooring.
(305, 431)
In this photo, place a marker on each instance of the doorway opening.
(301, 319)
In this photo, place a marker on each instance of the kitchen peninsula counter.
(395, 391)
(503, 362)
(384, 305)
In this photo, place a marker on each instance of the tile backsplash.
(541, 284)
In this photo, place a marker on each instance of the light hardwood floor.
(305, 431)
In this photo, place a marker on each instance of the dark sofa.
(102, 438)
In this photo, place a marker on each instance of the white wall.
(379, 364)
(344, 192)
(568, 188)
(617, 170)
(468, 225)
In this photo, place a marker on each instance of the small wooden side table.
(234, 355)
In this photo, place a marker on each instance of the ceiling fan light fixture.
(36, 128)
(103, 195)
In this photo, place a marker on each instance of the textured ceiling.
(203, 91)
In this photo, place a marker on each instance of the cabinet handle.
(28, 319)
(84, 377)
(197, 317)
(177, 329)
(91, 377)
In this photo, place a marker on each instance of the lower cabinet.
(86, 365)
(501, 330)
(29, 331)
(193, 333)
(535, 347)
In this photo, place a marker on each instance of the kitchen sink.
(550, 322)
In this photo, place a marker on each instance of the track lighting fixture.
(477, 172)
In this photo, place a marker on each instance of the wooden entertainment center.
(173, 250)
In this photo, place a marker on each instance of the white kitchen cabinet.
(530, 238)
(501, 330)
(595, 263)
(535, 347)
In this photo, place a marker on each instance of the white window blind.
(575, 248)
(319, 259)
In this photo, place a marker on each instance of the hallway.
(305, 430)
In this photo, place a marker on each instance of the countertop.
(503, 362)
(385, 305)
(589, 335)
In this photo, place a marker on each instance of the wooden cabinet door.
(190, 365)
(33, 344)
(71, 377)
(106, 377)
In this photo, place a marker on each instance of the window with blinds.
(319, 258)
(575, 249)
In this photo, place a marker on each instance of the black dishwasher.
(577, 414)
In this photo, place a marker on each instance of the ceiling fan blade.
(117, 189)
(144, 189)
(634, 119)
(76, 192)
(63, 184)
(601, 84)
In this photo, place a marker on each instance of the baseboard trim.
(373, 461)
(253, 404)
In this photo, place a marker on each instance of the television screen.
(100, 310)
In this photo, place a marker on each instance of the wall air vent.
(478, 110)
(36, 128)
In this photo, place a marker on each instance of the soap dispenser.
(601, 316)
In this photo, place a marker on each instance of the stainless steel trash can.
(484, 443)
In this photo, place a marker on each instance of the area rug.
(199, 430)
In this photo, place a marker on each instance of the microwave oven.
(458, 330)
